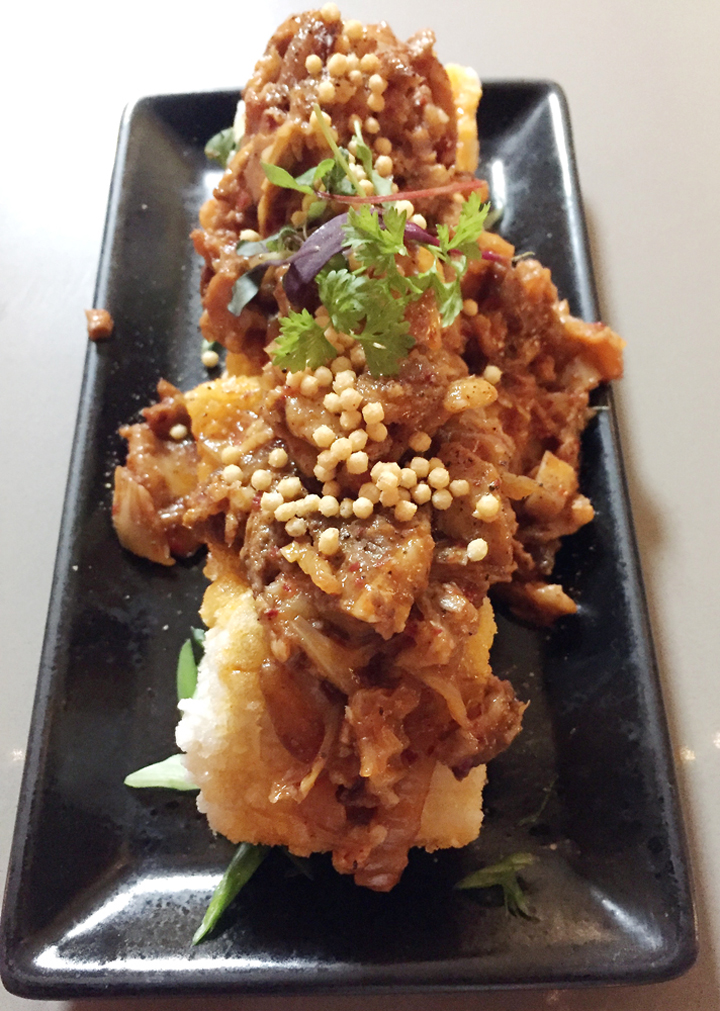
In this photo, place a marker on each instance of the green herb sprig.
(302, 343)
(222, 146)
(370, 310)
(191, 653)
(505, 875)
(382, 184)
(241, 868)
(274, 247)
(171, 774)
(370, 303)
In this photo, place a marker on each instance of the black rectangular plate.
(107, 884)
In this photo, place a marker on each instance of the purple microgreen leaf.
(324, 243)
(417, 234)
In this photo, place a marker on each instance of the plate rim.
(18, 974)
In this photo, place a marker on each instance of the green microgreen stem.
(339, 156)
(464, 186)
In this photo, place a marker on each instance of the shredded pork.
(371, 678)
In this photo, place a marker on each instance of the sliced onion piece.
(335, 662)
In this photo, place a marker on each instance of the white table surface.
(643, 81)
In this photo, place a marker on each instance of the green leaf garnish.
(504, 873)
(315, 174)
(336, 181)
(376, 246)
(246, 288)
(370, 303)
(221, 147)
(302, 343)
(281, 243)
(382, 184)
(186, 671)
(288, 240)
(252, 247)
(468, 230)
(448, 297)
(330, 172)
(281, 177)
(198, 640)
(170, 774)
(385, 338)
(241, 868)
(345, 295)
(367, 308)
(340, 157)
(191, 653)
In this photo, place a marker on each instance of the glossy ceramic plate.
(107, 884)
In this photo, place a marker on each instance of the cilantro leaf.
(503, 873)
(221, 146)
(448, 296)
(370, 303)
(376, 246)
(344, 295)
(468, 230)
(352, 297)
(302, 343)
(454, 250)
(385, 338)
(384, 351)
(169, 774)
(241, 868)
